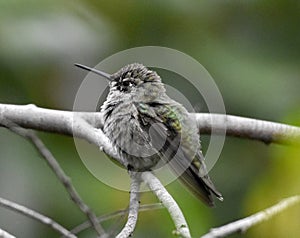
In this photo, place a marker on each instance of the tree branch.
(66, 122)
(167, 200)
(86, 225)
(254, 129)
(37, 216)
(4, 234)
(88, 125)
(244, 224)
(53, 164)
(133, 206)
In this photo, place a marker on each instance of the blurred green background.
(252, 50)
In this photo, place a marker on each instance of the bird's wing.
(178, 146)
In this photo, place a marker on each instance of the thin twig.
(167, 200)
(133, 206)
(244, 224)
(53, 164)
(37, 216)
(57, 121)
(4, 234)
(86, 225)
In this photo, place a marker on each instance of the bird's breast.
(122, 127)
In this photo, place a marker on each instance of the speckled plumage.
(149, 129)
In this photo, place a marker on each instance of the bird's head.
(134, 81)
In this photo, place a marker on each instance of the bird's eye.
(127, 83)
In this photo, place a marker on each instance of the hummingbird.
(149, 129)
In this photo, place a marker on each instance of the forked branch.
(55, 167)
(169, 203)
(88, 126)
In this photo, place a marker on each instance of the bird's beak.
(103, 74)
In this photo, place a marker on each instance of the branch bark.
(55, 167)
(244, 224)
(88, 125)
(37, 216)
(71, 123)
(254, 129)
(85, 225)
(4, 234)
(169, 203)
(133, 206)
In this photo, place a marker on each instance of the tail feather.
(195, 176)
(201, 187)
